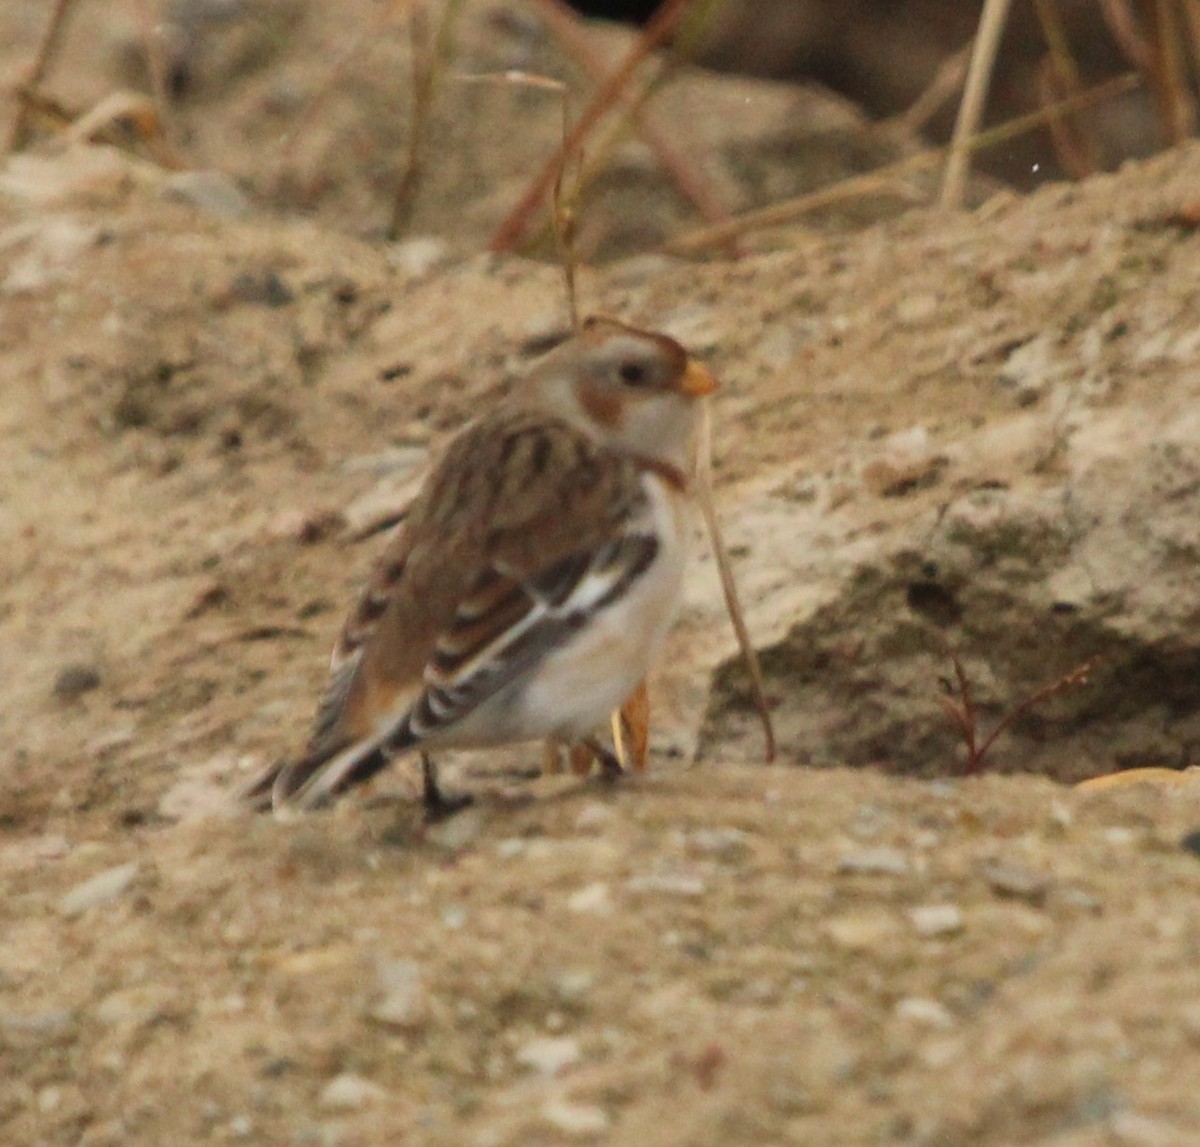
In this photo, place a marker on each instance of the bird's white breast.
(575, 689)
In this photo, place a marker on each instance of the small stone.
(574, 985)
(1017, 881)
(549, 1055)
(1132, 1129)
(594, 817)
(578, 1120)
(210, 191)
(454, 918)
(669, 882)
(925, 1013)
(100, 889)
(931, 920)
(592, 898)
(458, 831)
(418, 256)
(401, 1000)
(349, 1092)
(862, 931)
(35, 1028)
(874, 862)
(73, 681)
(723, 843)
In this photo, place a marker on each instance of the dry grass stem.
(661, 25)
(704, 495)
(962, 711)
(565, 24)
(886, 179)
(945, 85)
(970, 111)
(25, 88)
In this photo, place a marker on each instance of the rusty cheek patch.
(602, 405)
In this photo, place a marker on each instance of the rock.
(864, 931)
(458, 831)
(924, 1013)
(1017, 881)
(33, 1029)
(100, 889)
(548, 1055)
(933, 920)
(592, 898)
(874, 862)
(577, 1120)
(723, 843)
(669, 882)
(212, 192)
(73, 681)
(402, 1000)
(418, 256)
(349, 1092)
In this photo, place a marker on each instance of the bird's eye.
(633, 373)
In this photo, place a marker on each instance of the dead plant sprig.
(430, 51)
(27, 87)
(704, 495)
(565, 24)
(962, 711)
(970, 110)
(886, 178)
(661, 25)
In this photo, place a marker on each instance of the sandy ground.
(204, 415)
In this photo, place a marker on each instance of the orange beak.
(697, 382)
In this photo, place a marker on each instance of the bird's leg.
(438, 806)
(610, 767)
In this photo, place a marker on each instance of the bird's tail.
(317, 778)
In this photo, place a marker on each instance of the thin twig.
(946, 84)
(704, 495)
(565, 24)
(1167, 76)
(1076, 677)
(51, 39)
(965, 715)
(661, 25)
(884, 178)
(970, 111)
(153, 35)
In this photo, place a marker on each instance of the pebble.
(36, 1027)
(456, 832)
(593, 898)
(926, 1013)
(874, 862)
(100, 889)
(862, 931)
(73, 681)
(349, 1092)
(594, 817)
(723, 843)
(574, 985)
(678, 882)
(578, 1120)
(401, 999)
(212, 192)
(1017, 881)
(931, 920)
(549, 1055)
(419, 255)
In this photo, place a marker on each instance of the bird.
(533, 580)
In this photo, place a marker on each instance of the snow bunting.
(534, 578)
